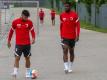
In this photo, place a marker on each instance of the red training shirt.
(41, 14)
(53, 13)
(70, 25)
(22, 30)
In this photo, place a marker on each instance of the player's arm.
(77, 28)
(32, 33)
(10, 35)
(61, 24)
(55, 13)
(43, 14)
(51, 13)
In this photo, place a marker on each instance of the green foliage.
(92, 27)
(88, 5)
(97, 2)
(100, 2)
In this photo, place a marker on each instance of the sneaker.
(66, 71)
(70, 70)
(28, 74)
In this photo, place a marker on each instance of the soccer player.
(41, 16)
(53, 17)
(69, 31)
(22, 27)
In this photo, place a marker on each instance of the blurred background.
(92, 13)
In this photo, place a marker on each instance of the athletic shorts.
(41, 18)
(69, 42)
(23, 49)
(52, 18)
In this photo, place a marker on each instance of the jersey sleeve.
(39, 14)
(43, 13)
(61, 25)
(31, 27)
(77, 21)
(11, 31)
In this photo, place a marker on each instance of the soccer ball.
(34, 74)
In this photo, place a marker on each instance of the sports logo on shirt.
(71, 18)
(27, 25)
(64, 19)
(19, 25)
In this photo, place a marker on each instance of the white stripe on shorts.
(16, 54)
(62, 44)
(29, 54)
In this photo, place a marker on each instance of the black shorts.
(52, 18)
(41, 18)
(23, 49)
(69, 42)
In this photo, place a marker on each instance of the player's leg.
(54, 21)
(65, 54)
(65, 57)
(18, 53)
(27, 65)
(27, 55)
(17, 59)
(41, 20)
(72, 55)
(16, 66)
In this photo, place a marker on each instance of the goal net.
(10, 10)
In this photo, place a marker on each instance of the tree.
(100, 2)
(88, 6)
(52, 3)
(97, 2)
(58, 4)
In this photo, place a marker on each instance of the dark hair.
(69, 3)
(26, 13)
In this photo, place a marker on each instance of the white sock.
(27, 70)
(15, 70)
(66, 65)
(70, 65)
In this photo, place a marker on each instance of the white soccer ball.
(34, 74)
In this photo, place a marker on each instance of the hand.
(33, 41)
(77, 39)
(9, 45)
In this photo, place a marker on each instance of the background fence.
(96, 17)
